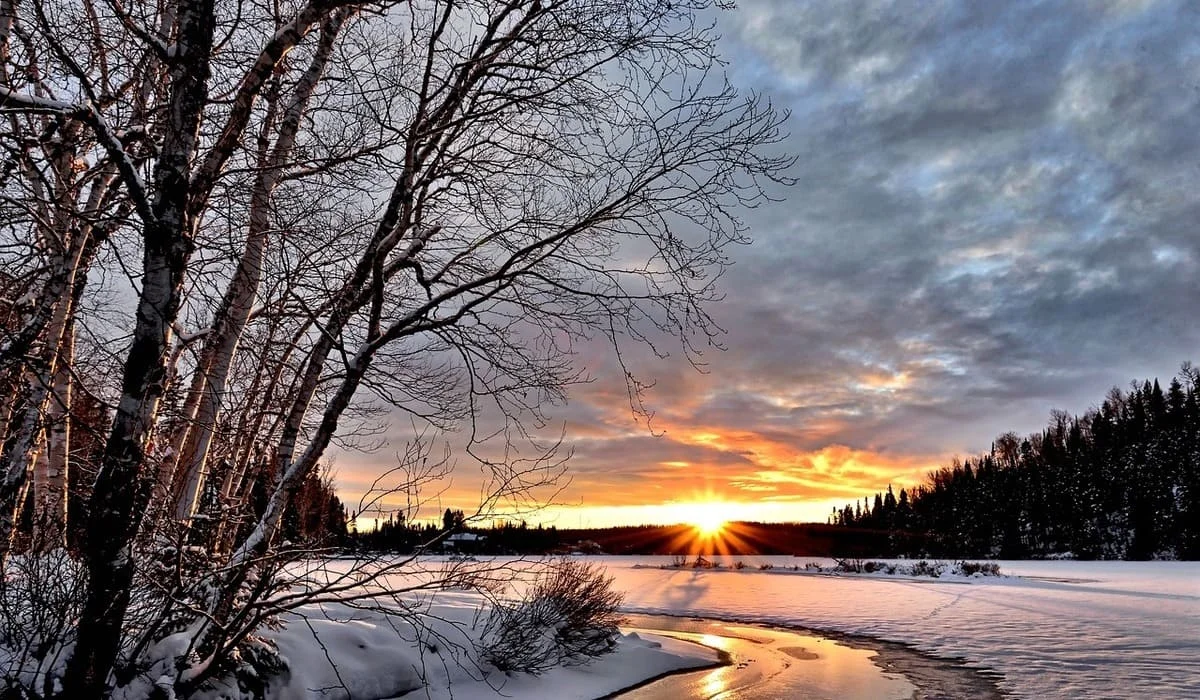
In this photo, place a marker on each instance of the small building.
(464, 542)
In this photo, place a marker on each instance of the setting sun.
(708, 518)
(708, 524)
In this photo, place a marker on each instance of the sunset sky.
(995, 215)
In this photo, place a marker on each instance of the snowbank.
(343, 652)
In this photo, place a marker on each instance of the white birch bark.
(22, 457)
(53, 463)
(222, 342)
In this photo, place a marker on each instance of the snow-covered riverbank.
(438, 628)
(336, 651)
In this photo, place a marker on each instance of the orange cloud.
(764, 449)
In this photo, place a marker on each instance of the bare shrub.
(568, 616)
(39, 599)
(970, 568)
(933, 569)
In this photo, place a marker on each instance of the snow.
(638, 658)
(465, 537)
(19, 100)
(337, 651)
(1051, 628)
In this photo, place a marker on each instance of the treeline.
(396, 534)
(1122, 481)
(400, 535)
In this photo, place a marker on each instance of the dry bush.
(848, 566)
(970, 568)
(568, 616)
(40, 597)
(932, 569)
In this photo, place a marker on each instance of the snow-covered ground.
(340, 652)
(423, 644)
(1061, 629)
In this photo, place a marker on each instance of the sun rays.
(707, 519)
(707, 527)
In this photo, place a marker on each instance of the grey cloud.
(995, 198)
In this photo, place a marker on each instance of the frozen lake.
(1056, 629)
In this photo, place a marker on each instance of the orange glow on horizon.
(716, 476)
(692, 462)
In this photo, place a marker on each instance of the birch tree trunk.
(53, 465)
(222, 341)
(42, 376)
(118, 499)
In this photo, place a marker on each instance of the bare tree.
(343, 211)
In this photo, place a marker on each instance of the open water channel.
(770, 663)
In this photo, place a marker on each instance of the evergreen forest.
(1121, 481)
